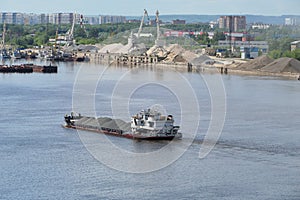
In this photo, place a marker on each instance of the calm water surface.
(256, 157)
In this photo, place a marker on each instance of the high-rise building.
(233, 23)
(61, 18)
(292, 21)
(57, 18)
(91, 20)
(44, 18)
(111, 19)
(11, 18)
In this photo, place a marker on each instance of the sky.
(136, 7)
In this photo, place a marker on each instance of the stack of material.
(256, 64)
(103, 122)
(202, 60)
(281, 65)
(179, 54)
(157, 51)
(111, 48)
(135, 49)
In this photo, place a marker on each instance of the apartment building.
(232, 23)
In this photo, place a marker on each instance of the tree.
(218, 35)
(292, 54)
(275, 54)
(80, 32)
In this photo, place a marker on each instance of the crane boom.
(157, 25)
(3, 36)
(142, 22)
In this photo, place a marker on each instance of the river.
(256, 156)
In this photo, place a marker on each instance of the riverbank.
(178, 58)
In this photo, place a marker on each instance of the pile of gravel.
(104, 122)
(202, 60)
(283, 65)
(256, 63)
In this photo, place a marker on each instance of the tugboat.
(148, 125)
(151, 124)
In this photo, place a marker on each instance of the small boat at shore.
(148, 124)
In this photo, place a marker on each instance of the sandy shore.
(230, 64)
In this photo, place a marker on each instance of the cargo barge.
(148, 124)
(28, 68)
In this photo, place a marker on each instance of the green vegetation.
(279, 39)
(25, 36)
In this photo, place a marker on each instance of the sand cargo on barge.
(148, 124)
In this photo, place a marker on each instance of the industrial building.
(250, 48)
(178, 21)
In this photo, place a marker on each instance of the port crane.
(69, 37)
(4, 52)
(158, 49)
(3, 36)
(158, 41)
(142, 22)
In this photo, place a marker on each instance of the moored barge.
(28, 68)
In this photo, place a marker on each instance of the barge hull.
(125, 135)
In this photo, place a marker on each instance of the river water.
(257, 155)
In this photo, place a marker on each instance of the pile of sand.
(111, 48)
(202, 60)
(179, 54)
(280, 65)
(256, 63)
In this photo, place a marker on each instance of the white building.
(295, 45)
(260, 26)
(292, 21)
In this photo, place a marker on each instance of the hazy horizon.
(166, 7)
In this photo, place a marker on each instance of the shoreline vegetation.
(108, 42)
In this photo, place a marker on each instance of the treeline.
(23, 36)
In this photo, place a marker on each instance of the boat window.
(151, 124)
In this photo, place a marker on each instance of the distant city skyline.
(135, 7)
